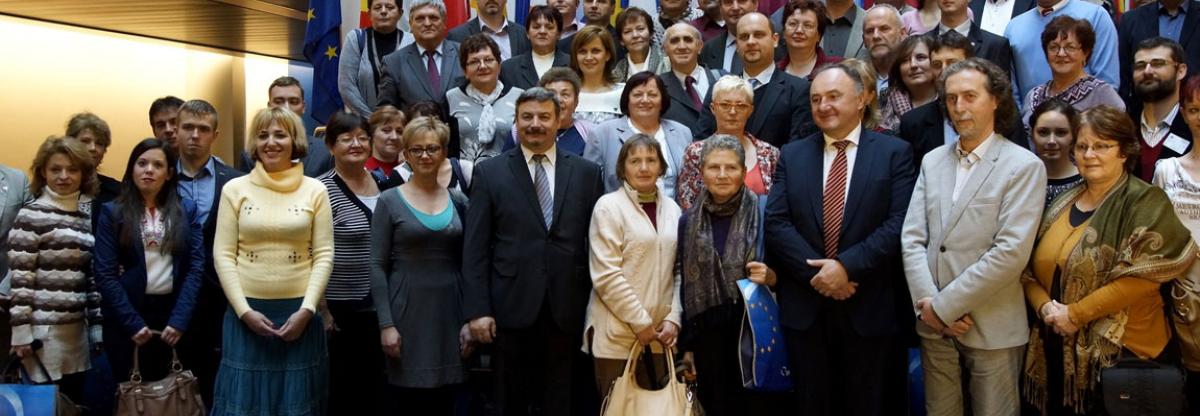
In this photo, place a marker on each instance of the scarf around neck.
(710, 277)
(487, 116)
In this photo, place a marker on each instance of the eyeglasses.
(725, 106)
(1153, 63)
(1069, 49)
(475, 63)
(1082, 148)
(349, 140)
(418, 152)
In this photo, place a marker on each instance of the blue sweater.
(1024, 34)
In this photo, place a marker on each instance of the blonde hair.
(286, 119)
(733, 83)
(72, 149)
(423, 126)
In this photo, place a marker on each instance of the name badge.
(1176, 143)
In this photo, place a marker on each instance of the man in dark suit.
(425, 70)
(986, 45)
(781, 109)
(509, 36)
(596, 13)
(833, 223)
(201, 178)
(1158, 72)
(995, 22)
(925, 127)
(543, 25)
(525, 260)
(682, 44)
(721, 52)
(1180, 19)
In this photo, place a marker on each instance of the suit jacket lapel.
(762, 106)
(978, 176)
(524, 183)
(814, 167)
(855, 42)
(562, 177)
(528, 71)
(449, 67)
(1190, 20)
(419, 68)
(678, 91)
(864, 160)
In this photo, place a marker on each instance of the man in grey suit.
(14, 192)
(425, 70)
(509, 36)
(967, 237)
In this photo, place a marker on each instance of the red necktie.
(691, 90)
(835, 199)
(435, 78)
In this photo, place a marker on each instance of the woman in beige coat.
(635, 295)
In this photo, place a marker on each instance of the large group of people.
(503, 211)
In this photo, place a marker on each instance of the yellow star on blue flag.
(321, 42)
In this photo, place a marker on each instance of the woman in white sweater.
(635, 295)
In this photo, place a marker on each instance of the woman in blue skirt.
(273, 252)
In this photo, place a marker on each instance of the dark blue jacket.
(120, 271)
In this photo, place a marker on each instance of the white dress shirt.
(1153, 135)
(763, 77)
(851, 155)
(963, 29)
(730, 52)
(996, 14)
(701, 81)
(550, 163)
(500, 36)
(437, 57)
(967, 164)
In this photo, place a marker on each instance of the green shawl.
(1133, 233)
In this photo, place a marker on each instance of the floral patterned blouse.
(691, 180)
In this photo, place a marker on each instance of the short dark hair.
(425, 108)
(998, 84)
(560, 74)
(343, 122)
(1110, 123)
(814, 6)
(643, 78)
(476, 43)
(640, 141)
(1064, 25)
(286, 81)
(540, 95)
(1161, 42)
(953, 40)
(586, 35)
(1056, 105)
(626, 18)
(546, 12)
(164, 104)
(901, 54)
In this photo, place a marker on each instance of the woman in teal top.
(416, 252)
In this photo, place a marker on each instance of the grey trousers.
(994, 375)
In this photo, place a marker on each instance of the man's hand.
(831, 279)
(960, 327)
(928, 316)
(483, 329)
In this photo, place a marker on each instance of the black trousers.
(356, 364)
(201, 344)
(414, 401)
(719, 376)
(535, 368)
(839, 372)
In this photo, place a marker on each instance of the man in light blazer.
(605, 140)
(14, 192)
(425, 70)
(509, 36)
(967, 237)
(543, 25)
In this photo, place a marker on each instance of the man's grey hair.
(683, 26)
(416, 4)
(883, 6)
(721, 142)
(541, 95)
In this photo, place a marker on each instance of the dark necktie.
(691, 90)
(835, 199)
(435, 78)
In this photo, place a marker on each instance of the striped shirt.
(350, 279)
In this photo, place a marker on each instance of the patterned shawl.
(1073, 94)
(1133, 233)
(710, 277)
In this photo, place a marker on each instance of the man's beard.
(1155, 91)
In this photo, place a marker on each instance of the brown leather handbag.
(177, 394)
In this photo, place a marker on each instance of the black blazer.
(519, 71)
(1021, 6)
(224, 174)
(1179, 128)
(781, 112)
(120, 271)
(518, 41)
(682, 108)
(511, 262)
(989, 46)
(1142, 23)
(923, 129)
(713, 55)
(869, 247)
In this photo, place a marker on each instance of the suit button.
(942, 249)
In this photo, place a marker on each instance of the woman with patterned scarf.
(1103, 250)
(717, 239)
(1068, 44)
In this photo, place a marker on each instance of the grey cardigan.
(356, 80)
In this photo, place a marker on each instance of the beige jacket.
(634, 284)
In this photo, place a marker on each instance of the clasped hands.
(1058, 317)
(831, 279)
(289, 331)
(956, 329)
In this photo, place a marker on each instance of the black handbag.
(1135, 386)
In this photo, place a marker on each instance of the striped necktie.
(542, 183)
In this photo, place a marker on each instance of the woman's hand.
(466, 345)
(143, 336)
(647, 335)
(259, 324)
(295, 325)
(1059, 318)
(689, 367)
(23, 351)
(327, 319)
(667, 334)
(171, 336)
(761, 274)
(389, 338)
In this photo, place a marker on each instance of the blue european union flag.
(322, 45)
